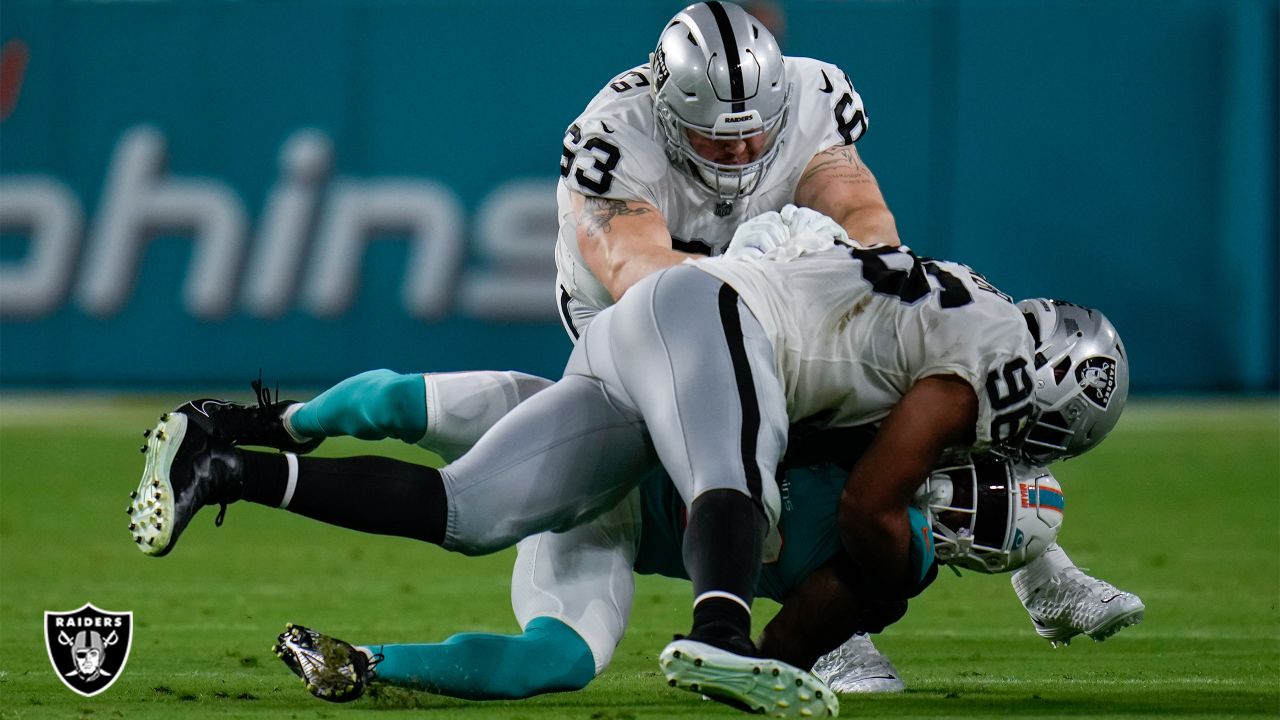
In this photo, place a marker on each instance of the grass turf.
(1180, 506)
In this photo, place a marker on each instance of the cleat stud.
(755, 671)
(697, 662)
(817, 693)
(672, 682)
(159, 434)
(776, 672)
(146, 433)
(164, 417)
(142, 449)
(799, 682)
(133, 494)
(676, 654)
(128, 511)
(151, 541)
(694, 687)
(137, 538)
(132, 526)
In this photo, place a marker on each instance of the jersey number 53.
(596, 178)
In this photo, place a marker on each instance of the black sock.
(722, 551)
(265, 477)
(370, 494)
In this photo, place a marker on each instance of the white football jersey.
(615, 150)
(854, 328)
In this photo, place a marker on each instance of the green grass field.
(1181, 505)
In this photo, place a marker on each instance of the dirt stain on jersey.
(843, 321)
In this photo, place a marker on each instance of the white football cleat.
(1072, 603)
(757, 685)
(858, 667)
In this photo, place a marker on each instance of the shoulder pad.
(605, 158)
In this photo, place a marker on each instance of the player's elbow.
(870, 530)
(617, 275)
(871, 224)
(861, 525)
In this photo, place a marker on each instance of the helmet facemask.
(727, 180)
(991, 515)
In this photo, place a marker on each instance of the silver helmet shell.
(1081, 378)
(718, 73)
(992, 515)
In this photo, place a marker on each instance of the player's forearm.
(620, 272)
(871, 225)
(814, 620)
(879, 544)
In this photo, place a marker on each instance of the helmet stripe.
(1043, 497)
(736, 89)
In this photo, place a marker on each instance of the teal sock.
(548, 657)
(371, 406)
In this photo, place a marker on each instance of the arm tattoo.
(844, 165)
(602, 211)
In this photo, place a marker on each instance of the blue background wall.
(1121, 154)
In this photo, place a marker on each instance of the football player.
(671, 156)
(989, 516)
(684, 368)
(663, 164)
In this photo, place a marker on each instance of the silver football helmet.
(1081, 376)
(991, 514)
(719, 76)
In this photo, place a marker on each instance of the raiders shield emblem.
(88, 647)
(1097, 376)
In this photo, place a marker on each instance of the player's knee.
(559, 660)
(528, 385)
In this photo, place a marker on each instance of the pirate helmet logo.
(1097, 377)
(88, 647)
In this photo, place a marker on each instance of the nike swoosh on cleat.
(1113, 597)
(206, 403)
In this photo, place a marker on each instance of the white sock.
(288, 426)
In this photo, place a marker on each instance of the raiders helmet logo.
(1097, 376)
(88, 647)
(660, 72)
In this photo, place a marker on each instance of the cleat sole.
(738, 681)
(154, 495)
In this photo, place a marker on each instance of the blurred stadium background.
(192, 192)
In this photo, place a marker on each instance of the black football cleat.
(331, 669)
(260, 425)
(186, 469)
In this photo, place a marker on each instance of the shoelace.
(263, 395)
(262, 392)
